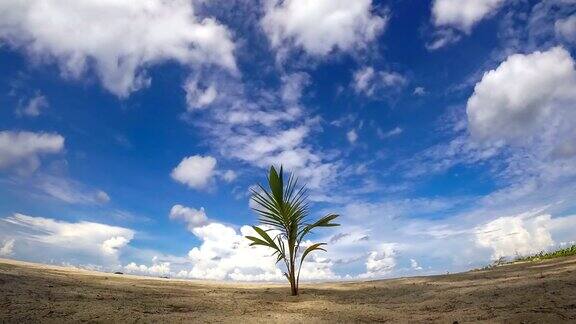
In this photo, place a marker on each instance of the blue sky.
(132, 131)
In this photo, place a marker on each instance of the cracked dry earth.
(538, 292)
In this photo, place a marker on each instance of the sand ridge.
(534, 292)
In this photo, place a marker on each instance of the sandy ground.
(528, 293)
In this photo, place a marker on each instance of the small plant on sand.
(283, 210)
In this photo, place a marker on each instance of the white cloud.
(199, 96)
(226, 254)
(50, 240)
(566, 28)
(363, 78)
(69, 191)
(443, 244)
(462, 15)
(352, 136)
(520, 123)
(414, 265)
(544, 24)
(35, 106)
(361, 211)
(419, 91)
(193, 217)
(157, 269)
(112, 245)
(321, 26)
(528, 99)
(22, 149)
(116, 39)
(195, 171)
(102, 197)
(285, 147)
(443, 37)
(7, 248)
(229, 176)
(441, 157)
(369, 82)
(391, 133)
(380, 262)
(293, 85)
(259, 126)
(524, 234)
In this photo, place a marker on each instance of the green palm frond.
(313, 247)
(322, 222)
(283, 207)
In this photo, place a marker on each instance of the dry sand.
(531, 292)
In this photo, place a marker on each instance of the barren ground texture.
(535, 292)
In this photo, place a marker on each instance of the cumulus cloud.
(520, 121)
(371, 83)
(524, 234)
(84, 35)
(112, 245)
(454, 18)
(192, 217)
(48, 240)
(157, 269)
(380, 262)
(321, 26)
(23, 149)
(379, 237)
(462, 15)
(226, 254)
(195, 171)
(528, 99)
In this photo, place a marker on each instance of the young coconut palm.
(284, 209)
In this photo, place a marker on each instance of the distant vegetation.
(569, 251)
(548, 255)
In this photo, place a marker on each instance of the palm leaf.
(283, 206)
(313, 247)
(322, 222)
(257, 241)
